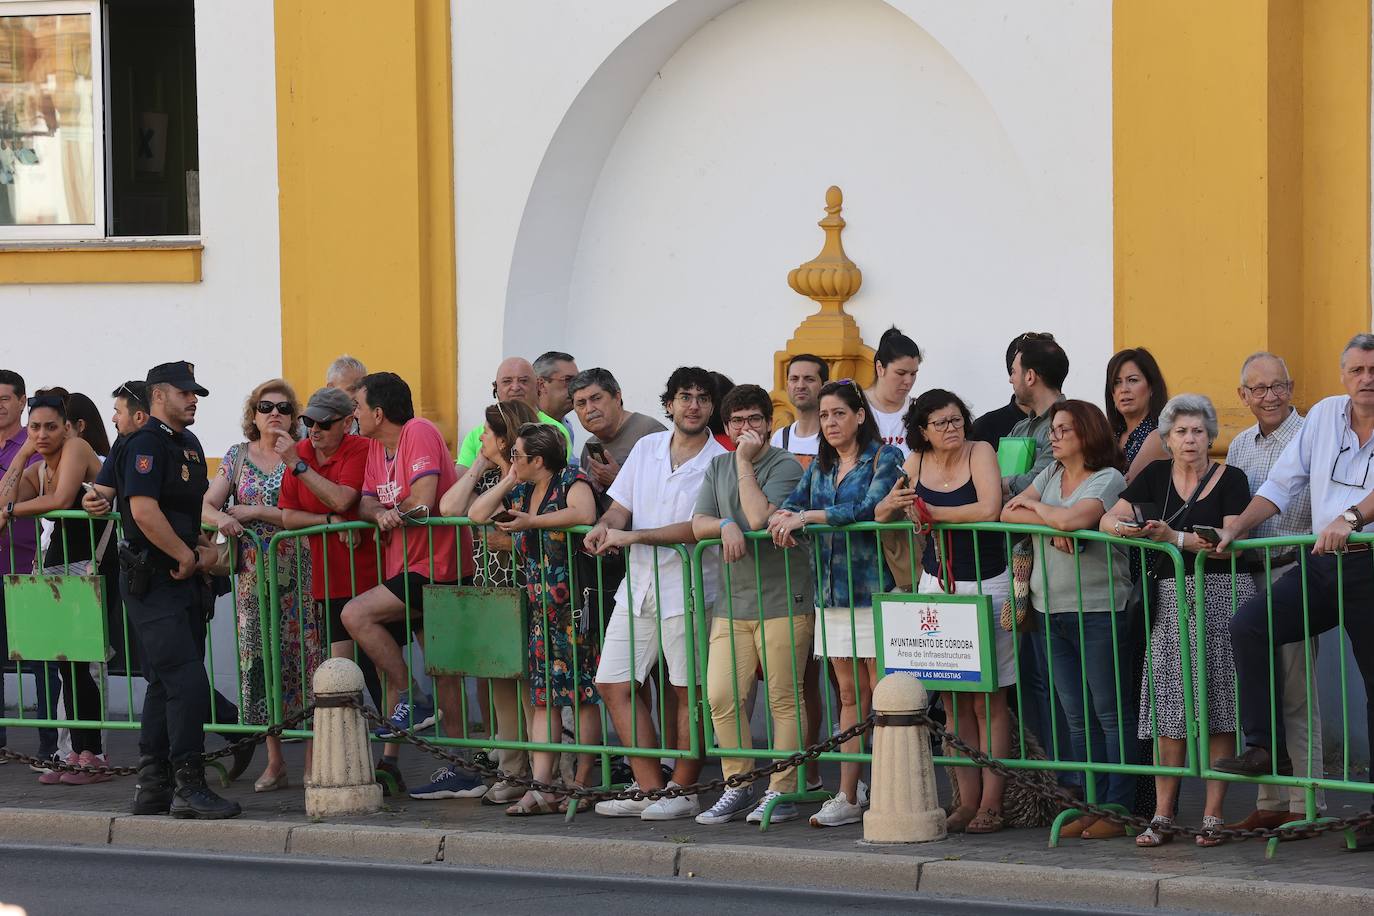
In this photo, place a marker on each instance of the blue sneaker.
(420, 716)
(449, 783)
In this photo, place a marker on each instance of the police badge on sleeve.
(143, 463)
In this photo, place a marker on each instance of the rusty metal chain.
(45, 763)
(584, 794)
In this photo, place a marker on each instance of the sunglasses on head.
(311, 423)
(45, 400)
(281, 407)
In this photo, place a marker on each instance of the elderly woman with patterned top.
(542, 497)
(895, 364)
(852, 473)
(959, 481)
(1183, 494)
(1077, 589)
(494, 568)
(1135, 395)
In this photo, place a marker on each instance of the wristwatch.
(300, 467)
(1353, 518)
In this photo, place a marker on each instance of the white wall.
(228, 325)
(669, 163)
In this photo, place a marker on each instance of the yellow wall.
(365, 165)
(1241, 159)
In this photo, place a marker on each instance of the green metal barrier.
(1266, 560)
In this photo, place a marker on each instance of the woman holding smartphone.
(1191, 491)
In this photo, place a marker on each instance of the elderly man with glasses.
(1328, 462)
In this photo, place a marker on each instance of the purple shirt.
(20, 533)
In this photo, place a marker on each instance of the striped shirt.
(1255, 454)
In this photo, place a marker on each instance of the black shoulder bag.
(1135, 622)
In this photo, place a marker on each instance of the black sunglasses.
(45, 400)
(281, 407)
(311, 423)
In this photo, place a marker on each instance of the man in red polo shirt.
(322, 487)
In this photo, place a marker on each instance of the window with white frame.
(98, 131)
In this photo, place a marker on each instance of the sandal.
(567, 800)
(1211, 831)
(1104, 830)
(957, 821)
(1075, 827)
(1150, 837)
(989, 821)
(541, 806)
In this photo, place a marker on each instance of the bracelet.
(1180, 540)
(726, 521)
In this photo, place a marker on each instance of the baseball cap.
(328, 404)
(181, 375)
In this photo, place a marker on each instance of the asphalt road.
(50, 880)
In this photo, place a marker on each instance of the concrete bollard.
(905, 804)
(341, 779)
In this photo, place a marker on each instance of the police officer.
(160, 475)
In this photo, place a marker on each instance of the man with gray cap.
(322, 486)
(161, 478)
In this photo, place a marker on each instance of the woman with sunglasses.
(52, 484)
(243, 497)
(852, 473)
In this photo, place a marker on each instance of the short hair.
(685, 377)
(389, 392)
(1042, 355)
(1358, 342)
(344, 365)
(602, 378)
(250, 406)
(505, 417)
(1189, 405)
(14, 380)
(848, 391)
(744, 396)
(918, 415)
(1098, 444)
(895, 345)
(135, 394)
(1145, 360)
(546, 443)
(824, 370)
(544, 364)
(1264, 354)
(81, 408)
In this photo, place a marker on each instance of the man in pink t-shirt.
(409, 467)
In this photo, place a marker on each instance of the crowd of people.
(1090, 657)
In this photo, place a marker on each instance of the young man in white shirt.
(653, 497)
(806, 373)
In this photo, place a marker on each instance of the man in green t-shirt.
(765, 614)
(515, 381)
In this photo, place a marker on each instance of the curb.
(851, 871)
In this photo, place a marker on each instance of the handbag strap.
(1181, 516)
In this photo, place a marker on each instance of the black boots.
(153, 794)
(193, 799)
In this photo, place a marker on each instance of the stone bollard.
(341, 779)
(905, 804)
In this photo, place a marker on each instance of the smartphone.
(597, 450)
(88, 487)
(1207, 533)
(1144, 512)
(904, 481)
(505, 515)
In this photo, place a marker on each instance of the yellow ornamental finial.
(829, 278)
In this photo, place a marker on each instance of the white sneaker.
(623, 808)
(671, 809)
(863, 794)
(731, 805)
(837, 812)
(783, 811)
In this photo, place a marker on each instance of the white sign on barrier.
(944, 640)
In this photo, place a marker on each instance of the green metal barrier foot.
(218, 767)
(572, 810)
(1060, 820)
(795, 797)
(1271, 847)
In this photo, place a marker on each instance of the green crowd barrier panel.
(66, 627)
(1282, 577)
(485, 636)
(1078, 677)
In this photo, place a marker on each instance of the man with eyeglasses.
(1328, 461)
(554, 370)
(652, 501)
(768, 621)
(1266, 389)
(515, 381)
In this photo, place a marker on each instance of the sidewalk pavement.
(1013, 864)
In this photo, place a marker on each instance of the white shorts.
(618, 654)
(845, 635)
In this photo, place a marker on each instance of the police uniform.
(168, 615)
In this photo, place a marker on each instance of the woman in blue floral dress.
(541, 497)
